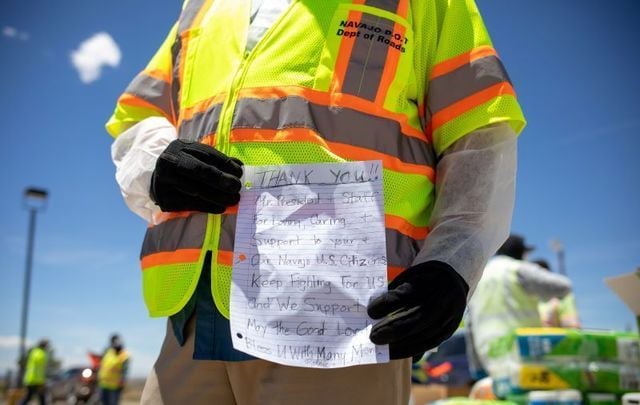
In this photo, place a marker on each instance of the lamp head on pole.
(35, 198)
(556, 245)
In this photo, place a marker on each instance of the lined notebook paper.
(309, 255)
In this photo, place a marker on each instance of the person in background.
(556, 312)
(114, 340)
(507, 296)
(279, 82)
(113, 372)
(35, 375)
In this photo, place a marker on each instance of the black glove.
(191, 176)
(423, 307)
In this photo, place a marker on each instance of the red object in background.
(95, 360)
(440, 369)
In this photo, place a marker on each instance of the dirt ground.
(130, 396)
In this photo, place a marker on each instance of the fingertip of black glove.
(405, 289)
(234, 167)
(240, 164)
(389, 301)
(232, 185)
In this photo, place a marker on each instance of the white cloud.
(11, 342)
(14, 33)
(9, 32)
(93, 54)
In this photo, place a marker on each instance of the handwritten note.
(310, 253)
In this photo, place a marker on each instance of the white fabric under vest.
(263, 15)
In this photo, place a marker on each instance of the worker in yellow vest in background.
(415, 84)
(35, 375)
(113, 371)
(507, 297)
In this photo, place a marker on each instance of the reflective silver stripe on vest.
(368, 59)
(334, 124)
(465, 81)
(227, 232)
(201, 124)
(189, 14)
(174, 234)
(187, 18)
(153, 91)
(176, 51)
(401, 249)
(389, 5)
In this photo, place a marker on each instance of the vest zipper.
(224, 130)
(226, 115)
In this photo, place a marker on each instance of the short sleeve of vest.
(149, 94)
(468, 86)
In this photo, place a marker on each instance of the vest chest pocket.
(368, 54)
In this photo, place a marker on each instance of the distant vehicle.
(448, 365)
(76, 385)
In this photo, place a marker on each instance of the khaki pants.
(178, 379)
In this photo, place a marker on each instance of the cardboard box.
(627, 287)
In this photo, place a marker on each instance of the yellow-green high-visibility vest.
(36, 370)
(110, 373)
(331, 81)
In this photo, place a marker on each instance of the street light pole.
(558, 247)
(34, 199)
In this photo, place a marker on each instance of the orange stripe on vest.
(130, 99)
(468, 103)
(404, 227)
(166, 258)
(449, 65)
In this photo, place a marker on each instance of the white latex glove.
(134, 154)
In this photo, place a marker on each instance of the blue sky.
(575, 68)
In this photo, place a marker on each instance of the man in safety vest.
(416, 84)
(35, 375)
(113, 372)
(507, 296)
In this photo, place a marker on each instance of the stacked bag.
(531, 359)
